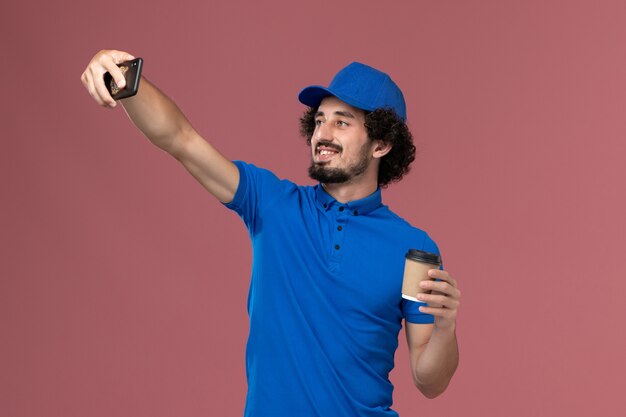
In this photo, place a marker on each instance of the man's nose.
(323, 131)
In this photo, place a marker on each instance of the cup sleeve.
(412, 314)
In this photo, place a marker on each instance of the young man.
(325, 303)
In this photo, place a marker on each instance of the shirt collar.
(356, 207)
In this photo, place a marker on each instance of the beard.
(327, 175)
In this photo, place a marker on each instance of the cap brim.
(312, 96)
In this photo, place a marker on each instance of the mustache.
(328, 144)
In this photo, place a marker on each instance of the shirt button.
(356, 212)
(339, 228)
(337, 247)
(325, 205)
(341, 208)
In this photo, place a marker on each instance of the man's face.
(340, 148)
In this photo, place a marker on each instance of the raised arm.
(162, 122)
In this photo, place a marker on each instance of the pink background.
(123, 283)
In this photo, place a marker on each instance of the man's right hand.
(164, 124)
(93, 76)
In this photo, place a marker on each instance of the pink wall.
(123, 283)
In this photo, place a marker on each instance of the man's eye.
(318, 122)
(342, 123)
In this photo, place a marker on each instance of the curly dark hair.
(383, 125)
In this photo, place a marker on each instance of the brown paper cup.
(416, 269)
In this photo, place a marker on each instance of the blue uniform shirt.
(325, 302)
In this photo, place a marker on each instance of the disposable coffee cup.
(416, 268)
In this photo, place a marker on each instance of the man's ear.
(381, 149)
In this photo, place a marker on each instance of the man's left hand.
(445, 298)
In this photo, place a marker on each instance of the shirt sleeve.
(410, 309)
(257, 188)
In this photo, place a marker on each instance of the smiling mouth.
(324, 152)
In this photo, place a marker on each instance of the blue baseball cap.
(360, 86)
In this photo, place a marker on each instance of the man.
(325, 305)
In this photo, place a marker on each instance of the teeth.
(325, 152)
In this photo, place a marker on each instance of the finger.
(441, 286)
(97, 75)
(120, 56)
(438, 300)
(89, 85)
(439, 312)
(442, 275)
(83, 78)
(109, 62)
(97, 68)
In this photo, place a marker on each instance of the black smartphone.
(132, 74)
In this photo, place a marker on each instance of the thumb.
(119, 57)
